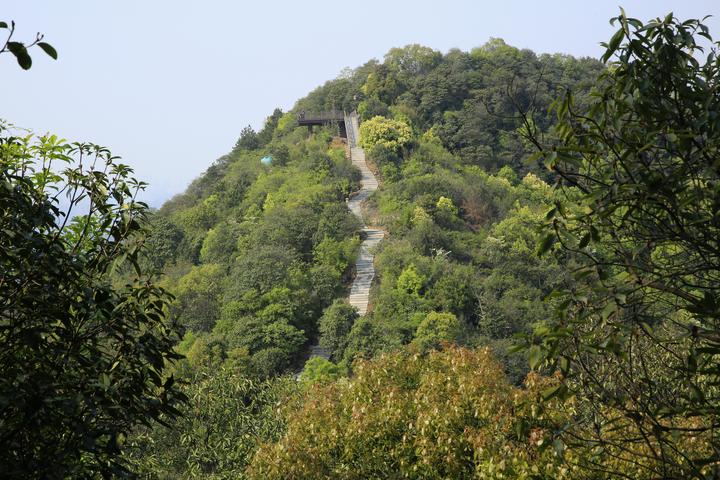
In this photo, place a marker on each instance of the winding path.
(364, 267)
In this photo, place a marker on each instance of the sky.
(169, 85)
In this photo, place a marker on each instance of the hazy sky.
(168, 85)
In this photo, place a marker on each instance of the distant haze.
(168, 85)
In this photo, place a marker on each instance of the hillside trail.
(364, 266)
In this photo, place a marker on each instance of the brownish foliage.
(450, 414)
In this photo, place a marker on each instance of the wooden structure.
(333, 117)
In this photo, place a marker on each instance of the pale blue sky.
(168, 85)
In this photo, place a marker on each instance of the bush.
(335, 326)
(437, 328)
(317, 369)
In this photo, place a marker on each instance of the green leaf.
(533, 158)
(584, 241)
(3, 25)
(551, 213)
(580, 274)
(550, 160)
(534, 356)
(546, 243)
(521, 429)
(564, 365)
(602, 273)
(20, 52)
(696, 394)
(613, 45)
(16, 47)
(609, 310)
(47, 48)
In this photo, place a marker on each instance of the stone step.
(364, 267)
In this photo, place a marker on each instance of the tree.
(162, 242)
(268, 129)
(410, 282)
(197, 305)
(391, 134)
(262, 268)
(229, 416)
(219, 243)
(446, 212)
(335, 326)
(249, 139)
(638, 337)
(317, 369)
(448, 415)
(436, 328)
(372, 107)
(412, 59)
(83, 360)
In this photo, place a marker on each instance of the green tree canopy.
(436, 328)
(391, 134)
(83, 360)
(335, 326)
(640, 332)
(229, 416)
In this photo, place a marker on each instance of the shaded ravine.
(364, 266)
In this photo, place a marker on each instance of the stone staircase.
(364, 266)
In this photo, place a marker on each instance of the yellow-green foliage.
(519, 230)
(450, 414)
(436, 328)
(446, 205)
(199, 217)
(317, 369)
(337, 255)
(420, 216)
(391, 134)
(220, 428)
(281, 189)
(410, 281)
(286, 122)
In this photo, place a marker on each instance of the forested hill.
(470, 100)
(259, 255)
(255, 253)
(536, 240)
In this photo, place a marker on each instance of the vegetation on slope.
(255, 254)
(618, 317)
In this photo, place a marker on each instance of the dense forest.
(545, 304)
(255, 254)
